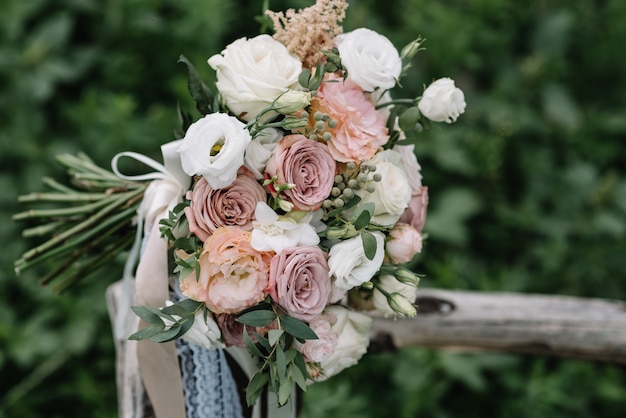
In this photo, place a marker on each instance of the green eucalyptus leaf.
(297, 376)
(274, 335)
(365, 213)
(284, 391)
(297, 328)
(147, 332)
(148, 315)
(281, 362)
(255, 387)
(252, 348)
(258, 318)
(168, 335)
(369, 244)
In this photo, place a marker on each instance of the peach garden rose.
(233, 276)
(361, 130)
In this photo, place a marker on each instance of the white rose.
(353, 330)
(411, 166)
(391, 285)
(371, 59)
(203, 333)
(260, 150)
(213, 147)
(349, 265)
(252, 73)
(392, 193)
(275, 233)
(442, 101)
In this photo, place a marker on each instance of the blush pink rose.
(321, 348)
(415, 213)
(403, 243)
(300, 281)
(361, 130)
(233, 205)
(307, 165)
(233, 276)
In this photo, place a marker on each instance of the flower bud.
(401, 305)
(291, 101)
(285, 205)
(410, 49)
(291, 123)
(406, 276)
(341, 232)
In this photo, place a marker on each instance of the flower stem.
(123, 198)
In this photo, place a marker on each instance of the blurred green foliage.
(528, 189)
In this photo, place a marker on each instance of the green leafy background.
(528, 192)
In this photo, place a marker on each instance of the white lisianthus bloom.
(353, 329)
(214, 147)
(260, 150)
(275, 233)
(252, 73)
(392, 193)
(371, 59)
(349, 265)
(206, 334)
(442, 101)
(391, 285)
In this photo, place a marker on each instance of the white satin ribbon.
(157, 363)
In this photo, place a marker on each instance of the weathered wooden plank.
(565, 326)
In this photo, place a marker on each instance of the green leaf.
(255, 387)
(147, 314)
(200, 92)
(297, 328)
(263, 341)
(258, 318)
(168, 335)
(273, 335)
(281, 362)
(297, 376)
(252, 348)
(365, 213)
(147, 332)
(369, 245)
(284, 391)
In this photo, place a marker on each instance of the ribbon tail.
(158, 362)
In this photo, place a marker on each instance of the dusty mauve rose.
(232, 331)
(233, 276)
(232, 205)
(360, 130)
(300, 282)
(415, 213)
(307, 165)
(403, 243)
(321, 348)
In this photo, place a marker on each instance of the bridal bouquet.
(289, 206)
